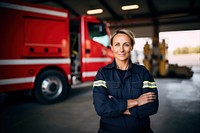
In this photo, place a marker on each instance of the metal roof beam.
(150, 24)
(191, 6)
(192, 9)
(153, 13)
(39, 1)
(64, 5)
(152, 9)
(110, 10)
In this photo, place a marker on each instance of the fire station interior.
(177, 76)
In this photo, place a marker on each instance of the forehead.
(121, 36)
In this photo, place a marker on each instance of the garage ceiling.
(167, 14)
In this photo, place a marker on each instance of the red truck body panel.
(32, 38)
(35, 38)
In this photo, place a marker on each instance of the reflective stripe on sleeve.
(100, 83)
(147, 84)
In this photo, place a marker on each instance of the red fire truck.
(43, 51)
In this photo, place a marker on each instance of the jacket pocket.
(114, 88)
(136, 89)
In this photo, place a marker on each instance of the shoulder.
(104, 72)
(106, 68)
(139, 68)
(143, 72)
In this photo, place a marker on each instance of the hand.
(146, 98)
(127, 112)
(109, 96)
(141, 100)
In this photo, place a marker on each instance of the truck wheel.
(51, 86)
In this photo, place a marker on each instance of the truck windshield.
(97, 32)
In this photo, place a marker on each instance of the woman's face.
(121, 47)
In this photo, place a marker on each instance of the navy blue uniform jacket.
(108, 82)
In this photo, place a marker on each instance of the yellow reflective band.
(147, 84)
(100, 83)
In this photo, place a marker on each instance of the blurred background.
(167, 43)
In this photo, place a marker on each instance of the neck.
(122, 65)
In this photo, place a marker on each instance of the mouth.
(121, 54)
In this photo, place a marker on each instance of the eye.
(127, 44)
(116, 44)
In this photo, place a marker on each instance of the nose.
(121, 49)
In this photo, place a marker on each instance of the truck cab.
(90, 47)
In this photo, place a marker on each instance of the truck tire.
(51, 86)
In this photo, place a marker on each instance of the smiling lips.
(121, 54)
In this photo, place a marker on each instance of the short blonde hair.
(124, 31)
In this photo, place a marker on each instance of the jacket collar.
(132, 67)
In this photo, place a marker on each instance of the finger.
(150, 93)
(151, 97)
(151, 100)
(154, 96)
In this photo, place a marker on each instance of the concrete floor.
(179, 111)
